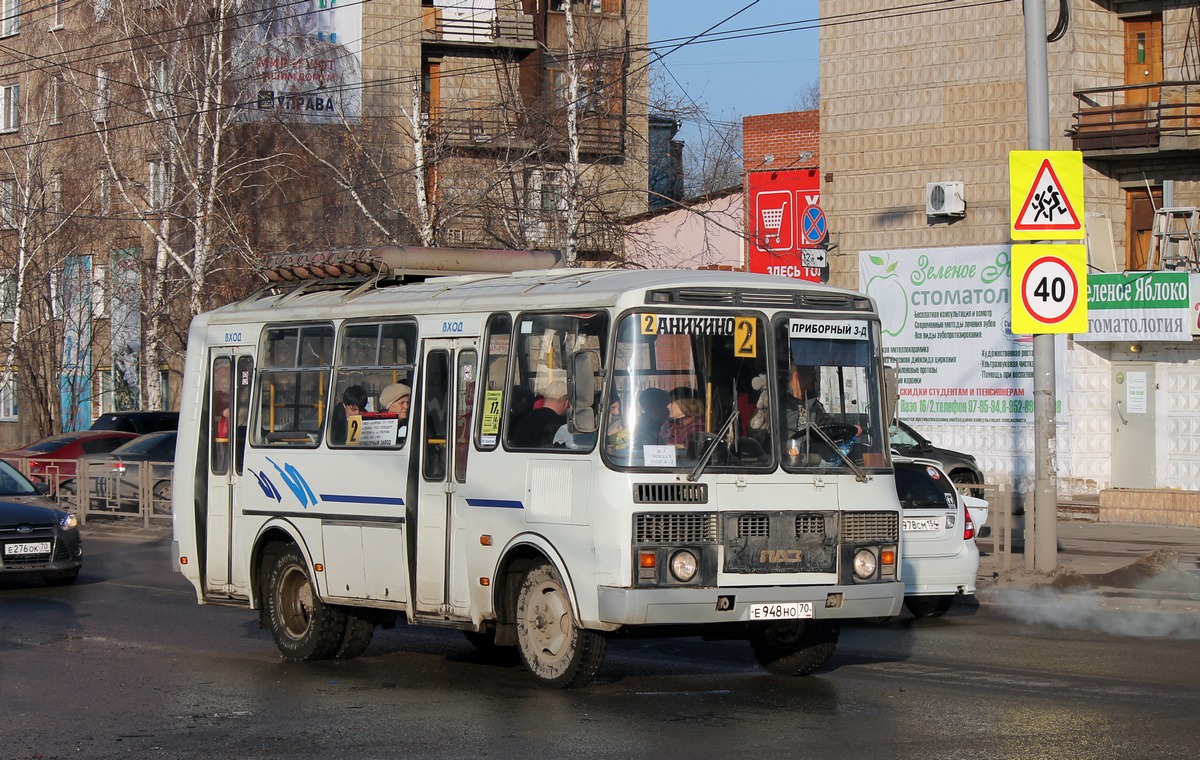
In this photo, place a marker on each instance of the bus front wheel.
(794, 647)
(552, 645)
(304, 627)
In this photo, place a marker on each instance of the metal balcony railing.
(484, 129)
(1160, 116)
(513, 30)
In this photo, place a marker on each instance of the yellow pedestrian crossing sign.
(1046, 194)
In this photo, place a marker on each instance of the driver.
(802, 404)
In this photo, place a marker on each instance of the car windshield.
(146, 444)
(922, 486)
(53, 443)
(13, 483)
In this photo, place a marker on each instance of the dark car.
(115, 479)
(137, 422)
(52, 460)
(36, 538)
(961, 467)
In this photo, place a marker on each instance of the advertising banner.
(1138, 307)
(301, 61)
(946, 316)
(787, 227)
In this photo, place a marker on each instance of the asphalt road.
(125, 664)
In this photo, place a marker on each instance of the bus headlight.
(684, 565)
(865, 564)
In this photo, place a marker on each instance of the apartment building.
(154, 151)
(920, 108)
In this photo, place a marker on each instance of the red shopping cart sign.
(773, 222)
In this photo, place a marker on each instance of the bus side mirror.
(891, 392)
(584, 366)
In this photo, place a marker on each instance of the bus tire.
(360, 629)
(794, 647)
(929, 606)
(552, 645)
(304, 627)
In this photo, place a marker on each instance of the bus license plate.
(38, 547)
(777, 611)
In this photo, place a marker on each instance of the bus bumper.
(672, 606)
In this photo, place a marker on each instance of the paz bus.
(542, 457)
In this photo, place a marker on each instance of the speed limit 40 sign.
(1049, 289)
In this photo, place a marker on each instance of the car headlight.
(68, 522)
(865, 564)
(684, 565)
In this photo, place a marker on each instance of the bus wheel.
(304, 627)
(929, 606)
(794, 647)
(360, 629)
(552, 645)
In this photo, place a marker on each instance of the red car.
(53, 460)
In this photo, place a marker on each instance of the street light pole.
(1045, 497)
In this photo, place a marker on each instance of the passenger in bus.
(538, 428)
(652, 413)
(395, 400)
(519, 404)
(686, 417)
(802, 405)
(617, 436)
(354, 403)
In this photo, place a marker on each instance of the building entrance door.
(1134, 455)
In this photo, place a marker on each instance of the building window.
(158, 189)
(59, 8)
(559, 92)
(56, 186)
(158, 86)
(101, 7)
(99, 291)
(8, 398)
(104, 188)
(56, 93)
(11, 21)
(544, 189)
(102, 93)
(8, 295)
(10, 104)
(8, 203)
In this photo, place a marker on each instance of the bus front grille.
(675, 528)
(860, 527)
(670, 493)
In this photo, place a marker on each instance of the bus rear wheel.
(304, 627)
(794, 647)
(360, 629)
(552, 645)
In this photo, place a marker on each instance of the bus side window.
(496, 400)
(294, 384)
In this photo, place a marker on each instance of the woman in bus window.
(686, 412)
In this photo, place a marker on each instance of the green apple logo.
(888, 291)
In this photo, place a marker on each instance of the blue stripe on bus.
(501, 503)
(348, 499)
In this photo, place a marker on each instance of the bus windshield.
(680, 383)
(687, 387)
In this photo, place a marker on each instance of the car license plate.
(32, 547)
(921, 525)
(780, 611)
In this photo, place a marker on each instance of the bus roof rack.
(401, 262)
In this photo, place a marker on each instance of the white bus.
(544, 458)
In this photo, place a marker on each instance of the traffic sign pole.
(1045, 498)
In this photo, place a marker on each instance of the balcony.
(505, 29)
(1136, 122)
(479, 129)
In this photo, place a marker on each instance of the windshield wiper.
(712, 446)
(859, 475)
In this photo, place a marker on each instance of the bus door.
(447, 400)
(231, 372)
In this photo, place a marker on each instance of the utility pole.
(1045, 497)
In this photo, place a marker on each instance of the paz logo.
(886, 287)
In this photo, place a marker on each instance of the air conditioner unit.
(945, 199)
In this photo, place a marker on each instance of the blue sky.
(764, 70)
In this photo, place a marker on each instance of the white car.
(939, 558)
